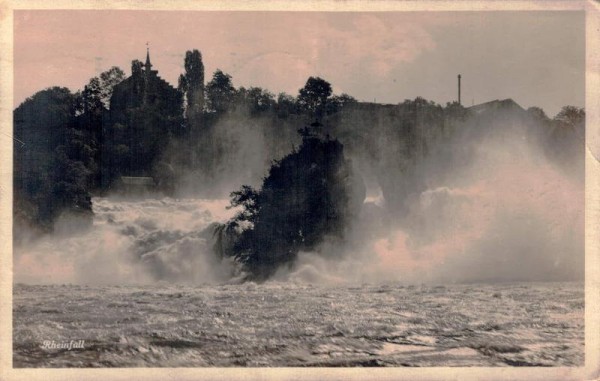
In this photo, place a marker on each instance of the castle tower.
(148, 65)
(147, 74)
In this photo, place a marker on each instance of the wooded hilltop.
(208, 138)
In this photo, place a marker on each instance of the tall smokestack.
(459, 89)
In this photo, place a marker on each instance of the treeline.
(69, 146)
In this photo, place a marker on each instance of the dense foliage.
(308, 196)
(53, 160)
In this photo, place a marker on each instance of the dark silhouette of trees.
(538, 114)
(571, 116)
(314, 95)
(191, 84)
(255, 100)
(566, 140)
(53, 160)
(92, 105)
(108, 80)
(307, 196)
(91, 98)
(286, 105)
(337, 103)
(97, 93)
(220, 92)
(136, 68)
(455, 111)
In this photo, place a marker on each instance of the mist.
(132, 242)
(489, 202)
(480, 199)
(235, 150)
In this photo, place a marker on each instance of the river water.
(286, 324)
(141, 289)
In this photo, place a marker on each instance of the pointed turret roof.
(148, 64)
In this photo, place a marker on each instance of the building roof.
(141, 181)
(495, 105)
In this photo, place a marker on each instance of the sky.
(535, 58)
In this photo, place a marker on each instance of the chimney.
(459, 89)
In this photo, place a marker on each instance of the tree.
(286, 105)
(136, 68)
(454, 110)
(338, 102)
(566, 143)
(92, 104)
(108, 80)
(247, 198)
(314, 95)
(220, 92)
(92, 98)
(307, 196)
(255, 99)
(570, 121)
(538, 113)
(191, 83)
(570, 116)
(52, 167)
(96, 94)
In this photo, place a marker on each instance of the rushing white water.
(506, 226)
(131, 241)
(509, 215)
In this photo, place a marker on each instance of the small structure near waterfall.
(135, 184)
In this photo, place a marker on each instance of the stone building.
(145, 88)
(145, 113)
